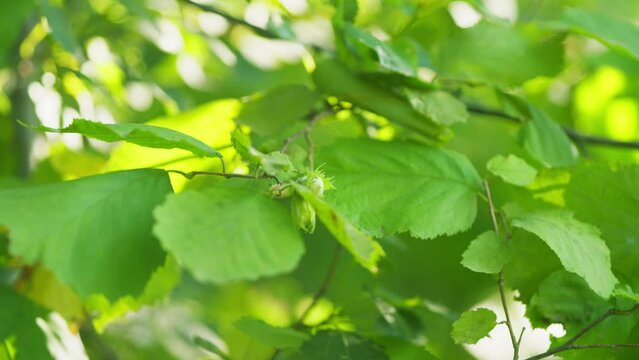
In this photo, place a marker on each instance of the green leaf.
(18, 318)
(93, 233)
(60, 27)
(16, 13)
(577, 244)
(498, 53)
(564, 297)
(545, 140)
(486, 254)
(387, 57)
(139, 134)
(440, 106)
(403, 350)
(232, 231)
(391, 187)
(512, 169)
(278, 165)
(272, 112)
(277, 337)
(608, 197)
(345, 10)
(526, 249)
(612, 31)
(364, 249)
(341, 345)
(473, 325)
(242, 144)
(333, 78)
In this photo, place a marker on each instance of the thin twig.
(509, 324)
(311, 148)
(504, 223)
(192, 174)
(521, 336)
(500, 280)
(602, 346)
(598, 140)
(258, 30)
(573, 134)
(232, 19)
(491, 207)
(569, 344)
(306, 131)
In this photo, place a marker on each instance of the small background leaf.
(276, 110)
(277, 337)
(473, 325)
(512, 169)
(440, 106)
(18, 318)
(340, 345)
(545, 140)
(612, 31)
(486, 254)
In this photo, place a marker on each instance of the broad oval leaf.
(139, 134)
(232, 231)
(577, 244)
(473, 325)
(80, 230)
(391, 187)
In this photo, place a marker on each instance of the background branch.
(234, 20)
(573, 134)
(569, 344)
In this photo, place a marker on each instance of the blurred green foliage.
(393, 108)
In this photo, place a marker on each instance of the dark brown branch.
(573, 134)
(598, 140)
(569, 344)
